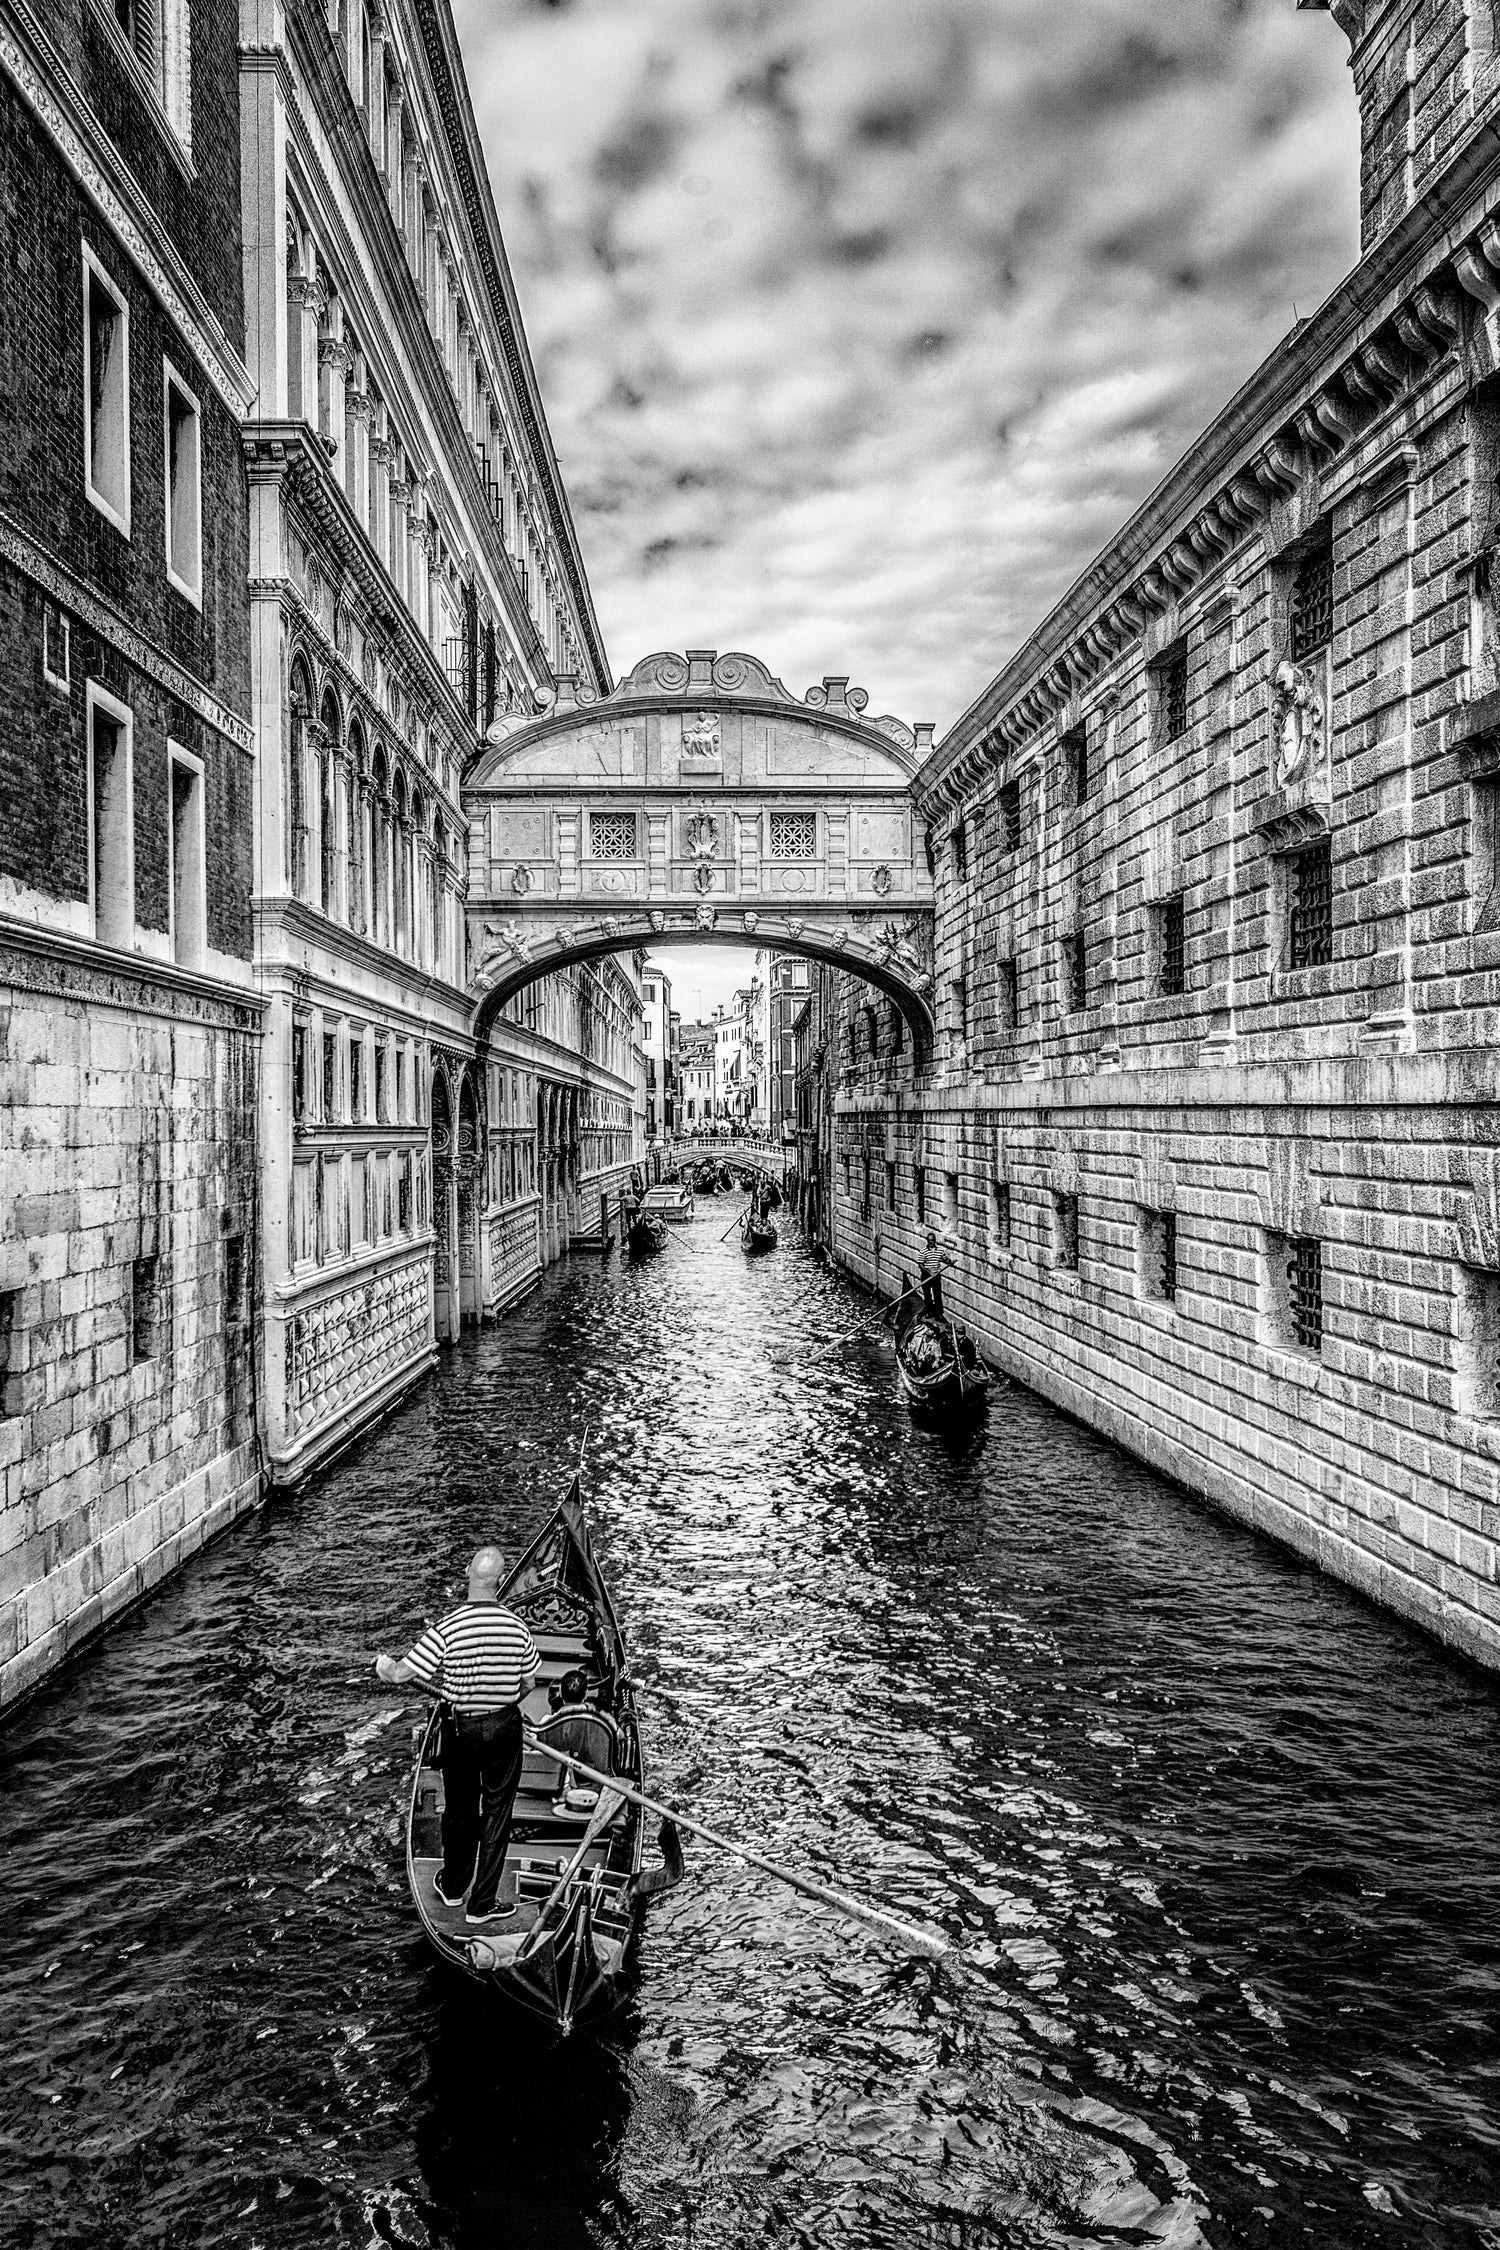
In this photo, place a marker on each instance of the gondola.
(939, 1368)
(574, 1862)
(773, 1196)
(756, 1234)
(706, 1180)
(645, 1235)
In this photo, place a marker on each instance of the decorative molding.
(70, 593)
(81, 143)
(57, 965)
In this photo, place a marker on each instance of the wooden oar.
(604, 1813)
(920, 1940)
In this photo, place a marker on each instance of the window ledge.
(104, 16)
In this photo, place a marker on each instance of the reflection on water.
(1216, 1843)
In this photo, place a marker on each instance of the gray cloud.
(862, 323)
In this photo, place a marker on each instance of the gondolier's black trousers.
(932, 1295)
(481, 1769)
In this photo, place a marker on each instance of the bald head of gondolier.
(485, 1573)
(425, 1663)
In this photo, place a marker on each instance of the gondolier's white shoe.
(439, 1892)
(504, 1912)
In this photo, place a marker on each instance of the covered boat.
(756, 1233)
(938, 1366)
(574, 1863)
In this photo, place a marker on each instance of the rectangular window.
(1310, 601)
(356, 1077)
(1157, 1254)
(106, 394)
(1008, 805)
(960, 851)
(183, 485)
(919, 1185)
(1065, 1233)
(1171, 953)
(400, 1083)
(1078, 778)
(330, 1078)
(999, 1217)
(189, 937)
(381, 1117)
(1075, 973)
(403, 1197)
(1170, 679)
(1479, 1342)
(1294, 1271)
(11, 1338)
(299, 1072)
(793, 835)
(612, 836)
(57, 647)
(1008, 995)
(960, 993)
(864, 1193)
(1309, 902)
(144, 1309)
(234, 1280)
(111, 820)
(890, 1187)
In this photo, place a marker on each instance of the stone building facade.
(129, 1020)
(414, 580)
(1212, 1117)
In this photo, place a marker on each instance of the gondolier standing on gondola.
(481, 1659)
(930, 1268)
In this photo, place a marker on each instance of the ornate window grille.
(960, 851)
(1080, 775)
(1310, 907)
(794, 835)
(1008, 996)
(1172, 677)
(1311, 605)
(612, 835)
(1009, 805)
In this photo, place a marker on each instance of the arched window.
(380, 856)
(332, 728)
(402, 865)
(358, 792)
(295, 777)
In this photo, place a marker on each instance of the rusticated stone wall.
(127, 1280)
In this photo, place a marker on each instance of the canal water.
(1217, 1844)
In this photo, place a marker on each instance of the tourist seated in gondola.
(578, 1729)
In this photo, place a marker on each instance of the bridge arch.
(700, 803)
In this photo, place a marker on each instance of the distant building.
(786, 985)
(656, 1001)
(697, 1075)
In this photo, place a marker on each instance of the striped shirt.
(477, 1658)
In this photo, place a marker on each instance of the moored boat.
(573, 1868)
(938, 1367)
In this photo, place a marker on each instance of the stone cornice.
(423, 993)
(1305, 411)
(70, 593)
(49, 90)
(64, 967)
(463, 142)
(381, 242)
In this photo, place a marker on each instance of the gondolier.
(930, 1268)
(481, 1659)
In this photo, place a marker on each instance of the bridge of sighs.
(700, 803)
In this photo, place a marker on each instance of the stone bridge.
(700, 803)
(750, 1156)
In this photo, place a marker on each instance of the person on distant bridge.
(933, 1260)
(482, 1661)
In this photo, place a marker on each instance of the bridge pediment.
(700, 801)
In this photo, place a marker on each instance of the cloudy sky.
(862, 323)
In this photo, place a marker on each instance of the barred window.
(1079, 777)
(612, 835)
(1310, 611)
(999, 1215)
(1296, 1274)
(1172, 978)
(1065, 1233)
(1009, 805)
(1075, 973)
(919, 1190)
(1008, 995)
(1158, 1255)
(960, 851)
(1172, 692)
(794, 835)
(1309, 879)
